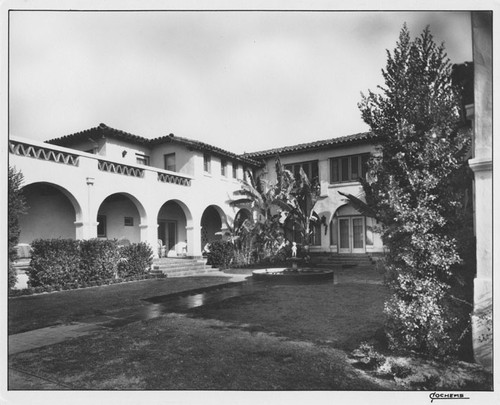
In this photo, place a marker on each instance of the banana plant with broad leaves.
(301, 200)
(268, 204)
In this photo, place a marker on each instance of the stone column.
(87, 228)
(481, 164)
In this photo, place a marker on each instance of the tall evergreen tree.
(414, 190)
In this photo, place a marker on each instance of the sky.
(243, 81)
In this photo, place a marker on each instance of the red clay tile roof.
(303, 147)
(103, 131)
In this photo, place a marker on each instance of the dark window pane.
(169, 161)
(314, 171)
(354, 167)
(334, 171)
(364, 165)
(345, 169)
(206, 163)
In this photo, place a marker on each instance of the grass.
(37, 311)
(341, 316)
(181, 353)
(279, 337)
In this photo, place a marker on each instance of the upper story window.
(310, 169)
(348, 168)
(142, 159)
(169, 162)
(223, 168)
(207, 159)
(235, 170)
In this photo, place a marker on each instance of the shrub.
(54, 262)
(417, 187)
(99, 260)
(16, 208)
(367, 357)
(220, 254)
(136, 259)
(12, 275)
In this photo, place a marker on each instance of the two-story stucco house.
(337, 164)
(106, 183)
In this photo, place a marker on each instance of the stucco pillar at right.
(87, 227)
(481, 164)
(193, 234)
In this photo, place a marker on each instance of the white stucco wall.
(115, 212)
(335, 200)
(50, 214)
(183, 161)
(87, 187)
(114, 149)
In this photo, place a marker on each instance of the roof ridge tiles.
(104, 130)
(250, 157)
(361, 136)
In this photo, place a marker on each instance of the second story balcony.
(48, 160)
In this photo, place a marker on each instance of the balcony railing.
(174, 179)
(37, 152)
(57, 154)
(119, 168)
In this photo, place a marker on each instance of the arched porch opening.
(119, 217)
(174, 223)
(52, 213)
(211, 223)
(241, 216)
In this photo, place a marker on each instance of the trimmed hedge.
(99, 260)
(66, 263)
(135, 259)
(220, 254)
(54, 262)
(48, 289)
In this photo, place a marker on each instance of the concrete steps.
(181, 267)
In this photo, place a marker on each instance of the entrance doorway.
(351, 234)
(167, 233)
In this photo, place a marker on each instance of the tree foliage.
(416, 186)
(16, 208)
(275, 206)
